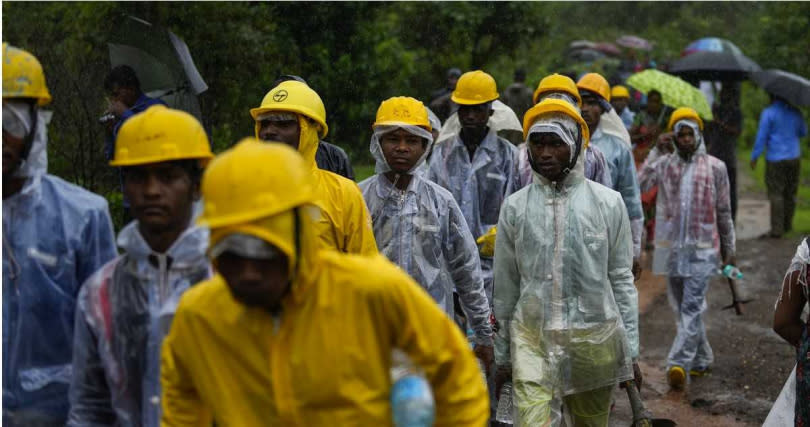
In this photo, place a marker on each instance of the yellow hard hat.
(557, 83)
(161, 134)
(684, 113)
(23, 76)
(475, 87)
(295, 97)
(254, 180)
(556, 106)
(594, 82)
(619, 91)
(402, 110)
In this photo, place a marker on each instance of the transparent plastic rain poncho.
(625, 181)
(596, 167)
(124, 312)
(564, 294)
(423, 231)
(479, 186)
(693, 211)
(55, 235)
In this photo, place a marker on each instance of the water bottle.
(503, 414)
(411, 398)
(731, 271)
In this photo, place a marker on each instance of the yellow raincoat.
(345, 223)
(326, 359)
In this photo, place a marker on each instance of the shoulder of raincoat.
(622, 170)
(55, 235)
(324, 361)
(423, 231)
(344, 223)
(564, 294)
(332, 158)
(480, 184)
(123, 313)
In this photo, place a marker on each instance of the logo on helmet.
(280, 96)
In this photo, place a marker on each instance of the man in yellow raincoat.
(294, 114)
(285, 334)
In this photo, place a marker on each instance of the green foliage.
(356, 54)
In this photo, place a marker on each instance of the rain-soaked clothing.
(344, 224)
(692, 223)
(479, 185)
(325, 359)
(332, 158)
(596, 167)
(423, 231)
(564, 296)
(55, 235)
(123, 313)
(623, 174)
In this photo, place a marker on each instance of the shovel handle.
(735, 301)
(641, 418)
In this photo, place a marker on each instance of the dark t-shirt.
(720, 143)
(332, 158)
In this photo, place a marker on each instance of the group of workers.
(255, 288)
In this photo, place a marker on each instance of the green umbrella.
(674, 91)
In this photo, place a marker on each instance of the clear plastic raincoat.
(423, 231)
(625, 181)
(479, 185)
(344, 224)
(596, 166)
(564, 294)
(124, 312)
(55, 235)
(693, 222)
(326, 359)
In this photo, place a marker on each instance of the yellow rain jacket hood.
(345, 223)
(326, 359)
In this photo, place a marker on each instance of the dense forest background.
(356, 54)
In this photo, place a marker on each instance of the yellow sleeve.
(181, 403)
(360, 236)
(421, 329)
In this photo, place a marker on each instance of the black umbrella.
(709, 65)
(792, 88)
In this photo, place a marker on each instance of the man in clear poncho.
(294, 114)
(557, 86)
(693, 233)
(417, 223)
(476, 166)
(126, 308)
(287, 333)
(595, 92)
(55, 235)
(565, 301)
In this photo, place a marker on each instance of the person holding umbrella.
(781, 126)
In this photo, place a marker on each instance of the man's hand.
(502, 375)
(638, 378)
(636, 269)
(729, 259)
(485, 353)
(666, 142)
(117, 107)
(753, 164)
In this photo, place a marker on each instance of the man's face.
(126, 95)
(654, 103)
(287, 130)
(619, 104)
(474, 118)
(160, 195)
(13, 148)
(686, 141)
(451, 82)
(550, 155)
(402, 149)
(255, 282)
(591, 110)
